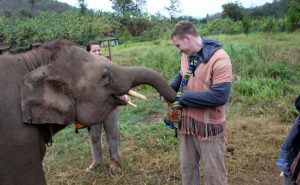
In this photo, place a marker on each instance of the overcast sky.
(195, 8)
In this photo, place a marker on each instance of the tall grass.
(166, 60)
(266, 75)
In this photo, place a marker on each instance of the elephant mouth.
(119, 100)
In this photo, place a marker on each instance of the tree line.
(130, 22)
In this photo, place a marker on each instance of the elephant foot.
(91, 167)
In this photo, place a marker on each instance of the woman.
(110, 125)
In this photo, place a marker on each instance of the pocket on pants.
(217, 149)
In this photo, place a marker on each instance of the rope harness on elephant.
(174, 111)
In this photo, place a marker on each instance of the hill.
(276, 9)
(14, 6)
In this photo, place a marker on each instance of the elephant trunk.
(147, 76)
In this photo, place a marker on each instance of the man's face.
(95, 49)
(183, 45)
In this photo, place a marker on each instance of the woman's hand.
(126, 98)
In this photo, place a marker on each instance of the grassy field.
(260, 113)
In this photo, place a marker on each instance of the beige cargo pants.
(212, 153)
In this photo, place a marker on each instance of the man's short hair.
(182, 28)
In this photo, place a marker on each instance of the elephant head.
(76, 86)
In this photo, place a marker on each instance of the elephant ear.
(46, 98)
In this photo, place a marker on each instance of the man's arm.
(217, 96)
(175, 84)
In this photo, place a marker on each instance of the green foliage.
(279, 71)
(268, 24)
(246, 24)
(123, 7)
(24, 12)
(263, 73)
(136, 24)
(159, 28)
(124, 35)
(219, 26)
(47, 26)
(82, 6)
(7, 13)
(276, 9)
(35, 6)
(245, 59)
(166, 60)
(258, 88)
(294, 14)
(233, 11)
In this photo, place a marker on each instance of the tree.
(173, 9)
(246, 23)
(24, 13)
(233, 11)
(140, 5)
(125, 36)
(82, 6)
(7, 13)
(32, 2)
(294, 14)
(121, 7)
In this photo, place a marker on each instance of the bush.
(47, 26)
(220, 26)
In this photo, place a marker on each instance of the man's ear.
(46, 98)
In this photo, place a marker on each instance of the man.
(202, 130)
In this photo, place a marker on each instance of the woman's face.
(95, 49)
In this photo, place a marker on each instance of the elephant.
(47, 88)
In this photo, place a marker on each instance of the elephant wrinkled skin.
(45, 89)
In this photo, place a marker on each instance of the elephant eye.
(105, 78)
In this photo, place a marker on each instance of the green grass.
(260, 112)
